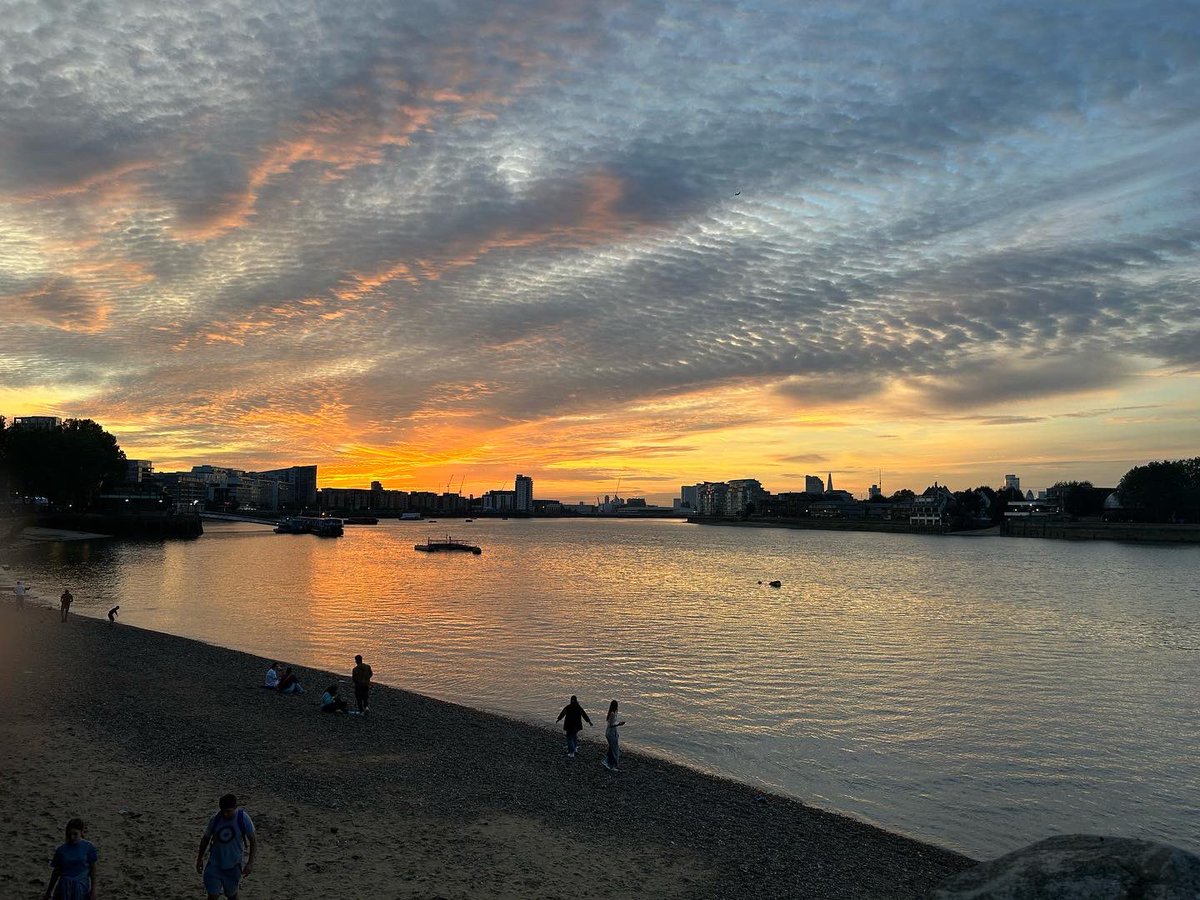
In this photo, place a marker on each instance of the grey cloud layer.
(554, 207)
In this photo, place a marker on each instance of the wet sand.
(139, 733)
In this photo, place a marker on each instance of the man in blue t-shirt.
(227, 832)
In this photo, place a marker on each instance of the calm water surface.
(979, 693)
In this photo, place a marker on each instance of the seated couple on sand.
(287, 683)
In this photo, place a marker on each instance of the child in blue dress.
(74, 875)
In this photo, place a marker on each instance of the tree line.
(68, 465)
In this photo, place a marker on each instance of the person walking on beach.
(612, 760)
(331, 702)
(575, 717)
(112, 613)
(227, 833)
(64, 604)
(73, 876)
(19, 591)
(361, 676)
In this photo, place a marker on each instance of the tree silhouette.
(1165, 491)
(67, 465)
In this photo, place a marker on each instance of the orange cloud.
(359, 285)
(356, 131)
(110, 185)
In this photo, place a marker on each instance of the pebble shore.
(139, 733)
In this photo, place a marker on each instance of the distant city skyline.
(522, 495)
(662, 243)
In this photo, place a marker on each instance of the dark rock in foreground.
(1081, 867)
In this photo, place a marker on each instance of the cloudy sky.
(662, 241)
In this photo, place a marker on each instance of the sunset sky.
(585, 240)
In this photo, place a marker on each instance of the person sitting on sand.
(271, 681)
(612, 760)
(227, 832)
(289, 683)
(331, 702)
(575, 717)
(112, 613)
(64, 604)
(74, 873)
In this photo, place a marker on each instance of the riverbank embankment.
(875, 525)
(1130, 532)
(1051, 529)
(139, 733)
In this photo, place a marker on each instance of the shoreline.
(1121, 532)
(475, 803)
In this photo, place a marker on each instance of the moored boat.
(324, 527)
(321, 526)
(360, 520)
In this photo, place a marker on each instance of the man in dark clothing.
(64, 604)
(361, 676)
(575, 717)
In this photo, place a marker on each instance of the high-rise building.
(687, 496)
(745, 494)
(712, 498)
(523, 501)
(1012, 482)
(874, 493)
(303, 480)
(829, 484)
(813, 484)
(499, 501)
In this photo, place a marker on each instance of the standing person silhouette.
(112, 613)
(612, 760)
(361, 676)
(575, 717)
(64, 604)
(19, 591)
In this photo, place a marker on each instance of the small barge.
(449, 544)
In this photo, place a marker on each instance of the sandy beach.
(139, 733)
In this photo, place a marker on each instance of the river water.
(979, 693)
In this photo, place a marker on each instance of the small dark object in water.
(776, 584)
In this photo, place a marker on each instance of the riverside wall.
(1103, 531)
